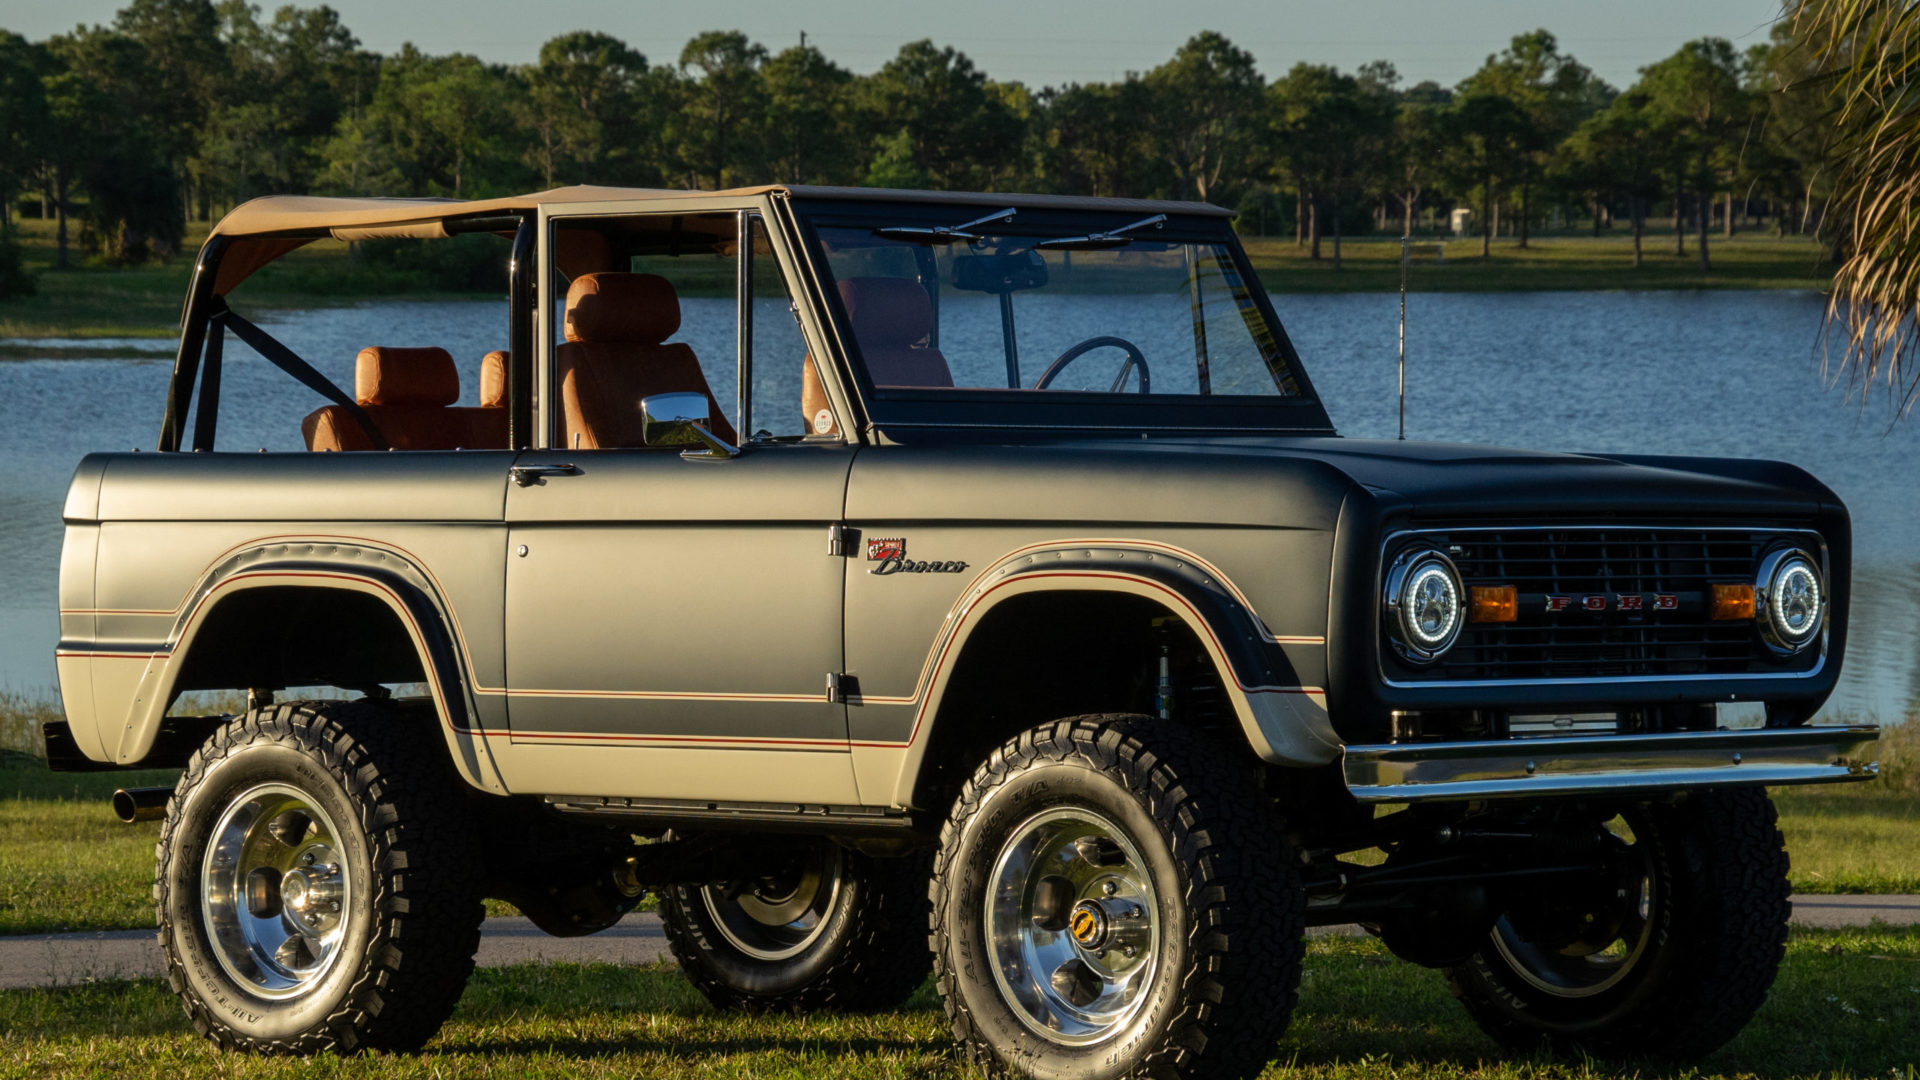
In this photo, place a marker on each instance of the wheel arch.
(1282, 721)
(403, 625)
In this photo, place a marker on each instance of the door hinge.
(833, 687)
(840, 540)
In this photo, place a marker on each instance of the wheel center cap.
(1088, 924)
(294, 889)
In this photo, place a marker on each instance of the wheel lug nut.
(1130, 952)
(307, 859)
(1135, 912)
(1108, 888)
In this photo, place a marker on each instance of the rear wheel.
(1112, 896)
(317, 886)
(1670, 955)
(831, 928)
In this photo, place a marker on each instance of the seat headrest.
(887, 312)
(383, 375)
(493, 380)
(640, 309)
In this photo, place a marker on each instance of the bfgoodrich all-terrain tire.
(1698, 945)
(318, 886)
(837, 930)
(1113, 897)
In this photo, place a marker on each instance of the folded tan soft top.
(261, 230)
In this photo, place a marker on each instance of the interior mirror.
(1000, 273)
(681, 420)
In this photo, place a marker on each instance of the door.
(672, 625)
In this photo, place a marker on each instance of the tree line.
(180, 109)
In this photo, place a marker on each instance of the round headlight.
(1789, 603)
(1425, 604)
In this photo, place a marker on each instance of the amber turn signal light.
(1501, 603)
(1732, 602)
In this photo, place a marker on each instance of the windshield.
(1087, 308)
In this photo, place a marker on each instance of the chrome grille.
(1674, 567)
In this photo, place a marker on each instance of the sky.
(1041, 42)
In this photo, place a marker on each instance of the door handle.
(529, 475)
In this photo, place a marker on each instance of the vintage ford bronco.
(898, 582)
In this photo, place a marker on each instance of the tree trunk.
(60, 210)
(1494, 219)
(1679, 227)
(1486, 220)
(6, 213)
(1729, 213)
(1406, 223)
(1639, 227)
(1299, 218)
(1336, 233)
(1313, 228)
(1526, 210)
(1706, 223)
(1596, 219)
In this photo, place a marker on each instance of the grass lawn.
(1844, 1006)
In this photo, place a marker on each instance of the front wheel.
(1668, 956)
(1112, 896)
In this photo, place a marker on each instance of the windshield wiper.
(1112, 238)
(942, 234)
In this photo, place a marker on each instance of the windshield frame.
(904, 407)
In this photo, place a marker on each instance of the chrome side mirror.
(681, 420)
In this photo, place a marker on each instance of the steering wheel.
(1135, 358)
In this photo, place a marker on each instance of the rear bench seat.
(409, 393)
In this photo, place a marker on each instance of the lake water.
(1716, 373)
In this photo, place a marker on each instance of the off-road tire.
(383, 775)
(1716, 946)
(870, 956)
(1232, 903)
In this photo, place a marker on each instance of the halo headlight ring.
(1789, 600)
(1424, 605)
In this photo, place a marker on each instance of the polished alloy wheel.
(1609, 939)
(778, 916)
(275, 893)
(1072, 925)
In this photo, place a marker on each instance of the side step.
(742, 816)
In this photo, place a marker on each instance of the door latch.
(529, 475)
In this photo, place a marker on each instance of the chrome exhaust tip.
(141, 804)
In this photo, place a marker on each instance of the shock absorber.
(1163, 693)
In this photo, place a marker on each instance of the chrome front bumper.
(1608, 764)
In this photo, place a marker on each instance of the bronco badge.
(891, 554)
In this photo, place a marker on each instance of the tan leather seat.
(409, 394)
(890, 317)
(617, 354)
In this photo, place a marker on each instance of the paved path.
(56, 959)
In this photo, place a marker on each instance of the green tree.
(1092, 141)
(1488, 139)
(25, 125)
(1554, 93)
(958, 133)
(586, 110)
(107, 146)
(721, 108)
(1699, 93)
(1614, 155)
(1332, 133)
(187, 68)
(1205, 101)
(809, 136)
